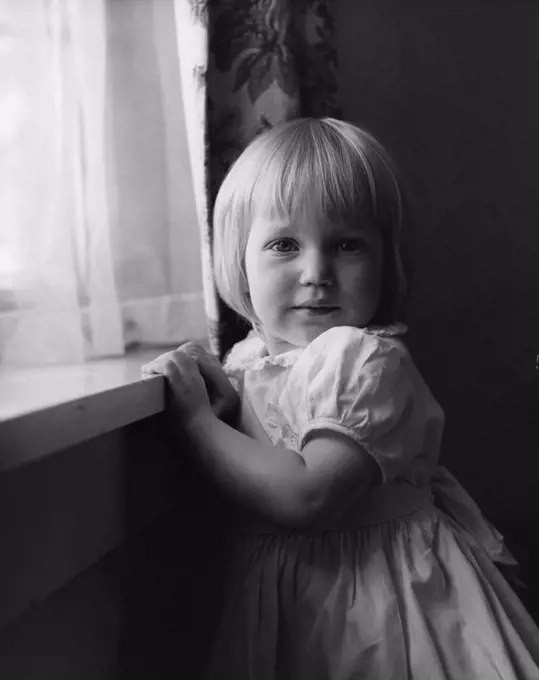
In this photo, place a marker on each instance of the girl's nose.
(316, 270)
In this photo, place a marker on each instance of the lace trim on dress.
(252, 353)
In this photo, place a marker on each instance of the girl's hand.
(189, 395)
(223, 397)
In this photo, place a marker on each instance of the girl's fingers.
(197, 350)
(151, 368)
(175, 364)
(156, 367)
(192, 349)
(181, 370)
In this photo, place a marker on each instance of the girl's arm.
(293, 490)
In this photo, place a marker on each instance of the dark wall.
(110, 561)
(451, 89)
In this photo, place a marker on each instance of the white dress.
(399, 588)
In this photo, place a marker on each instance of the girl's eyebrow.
(276, 226)
(339, 230)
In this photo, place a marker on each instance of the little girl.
(345, 565)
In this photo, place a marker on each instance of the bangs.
(313, 171)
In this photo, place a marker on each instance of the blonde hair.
(323, 168)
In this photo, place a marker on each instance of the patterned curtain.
(247, 65)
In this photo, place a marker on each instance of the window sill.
(45, 410)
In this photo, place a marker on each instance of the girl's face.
(307, 276)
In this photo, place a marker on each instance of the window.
(99, 240)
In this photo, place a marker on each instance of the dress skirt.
(415, 597)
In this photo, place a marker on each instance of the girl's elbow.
(307, 514)
(298, 521)
(316, 512)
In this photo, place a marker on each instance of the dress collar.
(252, 352)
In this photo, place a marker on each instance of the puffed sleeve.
(355, 383)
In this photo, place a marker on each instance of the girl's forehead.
(303, 203)
(275, 221)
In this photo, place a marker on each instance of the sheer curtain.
(99, 163)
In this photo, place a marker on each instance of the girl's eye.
(283, 246)
(352, 245)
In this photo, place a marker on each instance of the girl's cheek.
(365, 272)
